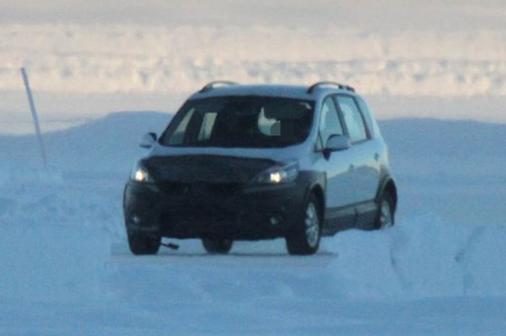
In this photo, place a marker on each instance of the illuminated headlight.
(278, 174)
(140, 174)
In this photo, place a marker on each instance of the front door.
(340, 193)
(366, 171)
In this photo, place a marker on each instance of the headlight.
(140, 173)
(278, 174)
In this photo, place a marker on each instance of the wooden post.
(34, 115)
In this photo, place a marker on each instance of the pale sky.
(366, 15)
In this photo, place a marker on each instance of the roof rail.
(339, 85)
(213, 84)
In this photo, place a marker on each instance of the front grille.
(223, 188)
(197, 216)
(200, 189)
(174, 188)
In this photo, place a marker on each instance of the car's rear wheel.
(386, 212)
(217, 246)
(305, 239)
(143, 244)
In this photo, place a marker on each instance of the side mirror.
(337, 143)
(148, 140)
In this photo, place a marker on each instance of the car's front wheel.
(143, 244)
(305, 239)
(217, 246)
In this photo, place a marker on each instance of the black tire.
(305, 238)
(217, 246)
(143, 244)
(385, 220)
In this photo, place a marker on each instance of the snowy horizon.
(104, 57)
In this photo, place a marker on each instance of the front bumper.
(247, 213)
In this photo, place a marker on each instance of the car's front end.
(196, 196)
(231, 165)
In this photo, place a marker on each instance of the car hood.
(275, 154)
(215, 164)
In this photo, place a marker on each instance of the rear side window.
(353, 119)
(366, 112)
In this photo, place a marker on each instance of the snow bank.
(52, 263)
(116, 58)
(421, 257)
(54, 241)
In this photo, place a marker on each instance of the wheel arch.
(388, 185)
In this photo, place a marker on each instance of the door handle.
(376, 156)
(352, 167)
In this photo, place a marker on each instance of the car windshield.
(251, 121)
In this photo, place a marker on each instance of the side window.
(207, 126)
(352, 118)
(178, 137)
(329, 121)
(366, 112)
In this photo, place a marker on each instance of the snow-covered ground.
(64, 264)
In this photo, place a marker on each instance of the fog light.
(274, 221)
(136, 219)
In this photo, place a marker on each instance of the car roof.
(270, 90)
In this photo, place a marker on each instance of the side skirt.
(360, 215)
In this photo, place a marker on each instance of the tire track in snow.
(463, 256)
(398, 241)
